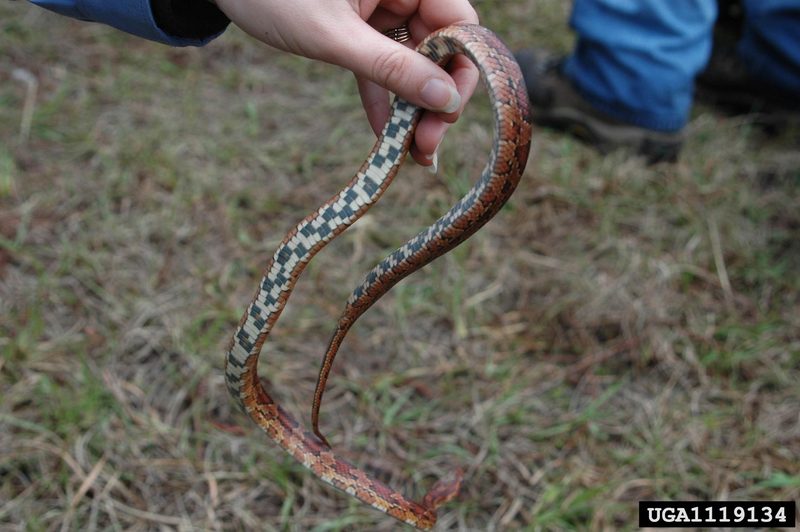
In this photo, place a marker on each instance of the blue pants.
(636, 60)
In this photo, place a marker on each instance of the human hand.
(348, 33)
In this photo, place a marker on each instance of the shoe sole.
(654, 146)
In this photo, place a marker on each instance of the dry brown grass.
(619, 332)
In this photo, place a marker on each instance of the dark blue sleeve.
(138, 17)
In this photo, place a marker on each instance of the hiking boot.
(725, 83)
(557, 104)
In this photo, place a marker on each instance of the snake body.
(509, 154)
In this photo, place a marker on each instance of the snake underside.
(507, 159)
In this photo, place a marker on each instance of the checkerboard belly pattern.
(312, 234)
(507, 159)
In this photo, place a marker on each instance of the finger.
(387, 17)
(375, 100)
(395, 67)
(466, 76)
(440, 13)
(429, 135)
(463, 72)
(403, 8)
(419, 158)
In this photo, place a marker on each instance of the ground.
(618, 332)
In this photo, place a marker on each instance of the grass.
(620, 332)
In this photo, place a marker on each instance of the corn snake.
(499, 178)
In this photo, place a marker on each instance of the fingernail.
(439, 95)
(434, 167)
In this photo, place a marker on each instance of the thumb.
(401, 70)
